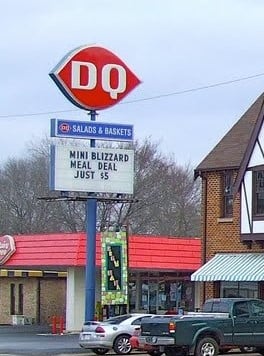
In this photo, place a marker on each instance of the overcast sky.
(172, 46)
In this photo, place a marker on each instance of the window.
(227, 186)
(239, 290)
(241, 309)
(138, 320)
(258, 193)
(216, 306)
(12, 299)
(207, 307)
(221, 307)
(257, 308)
(20, 299)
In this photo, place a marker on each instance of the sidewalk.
(30, 329)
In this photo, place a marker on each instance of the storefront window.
(239, 290)
(132, 296)
(160, 293)
(144, 296)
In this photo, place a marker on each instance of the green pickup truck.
(222, 324)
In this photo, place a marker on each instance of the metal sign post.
(92, 78)
(90, 272)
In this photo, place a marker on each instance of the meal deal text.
(87, 169)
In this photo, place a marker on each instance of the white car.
(113, 333)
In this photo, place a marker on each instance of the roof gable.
(236, 146)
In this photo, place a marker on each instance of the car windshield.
(117, 319)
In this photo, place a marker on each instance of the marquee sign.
(7, 248)
(92, 78)
(85, 169)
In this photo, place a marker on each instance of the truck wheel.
(207, 347)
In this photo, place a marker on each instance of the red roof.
(68, 249)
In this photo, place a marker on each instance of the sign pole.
(92, 92)
(90, 270)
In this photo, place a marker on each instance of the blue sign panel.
(91, 130)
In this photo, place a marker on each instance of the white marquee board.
(86, 169)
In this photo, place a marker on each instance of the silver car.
(113, 333)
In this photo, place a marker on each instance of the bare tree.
(21, 182)
(167, 197)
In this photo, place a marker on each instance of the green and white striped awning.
(232, 267)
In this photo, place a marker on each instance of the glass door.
(153, 297)
(149, 296)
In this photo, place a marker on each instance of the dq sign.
(93, 78)
(7, 248)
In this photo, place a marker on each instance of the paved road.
(38, 341)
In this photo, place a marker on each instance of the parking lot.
(38, 341)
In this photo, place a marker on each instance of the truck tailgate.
(157, 325)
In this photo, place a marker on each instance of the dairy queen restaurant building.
(43, 276)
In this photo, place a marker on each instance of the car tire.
(100, 351)
(247, 349)
(207, 347)
(122, 345)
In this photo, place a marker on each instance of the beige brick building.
(32, 296)
(233, 211)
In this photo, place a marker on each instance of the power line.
(196, 89)
(209, 86)
(37, 113)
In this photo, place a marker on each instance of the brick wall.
(41, 298)
(223, 235)
(30, 288)
(218, 234)
(52, 299)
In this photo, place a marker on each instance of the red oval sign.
(93, 78)
(7, 248)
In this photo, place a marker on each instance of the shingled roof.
(236, 146)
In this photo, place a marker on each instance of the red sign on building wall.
(92, 78)
(7, 248)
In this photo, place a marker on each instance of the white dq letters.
(92, 78)
(76, 75)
